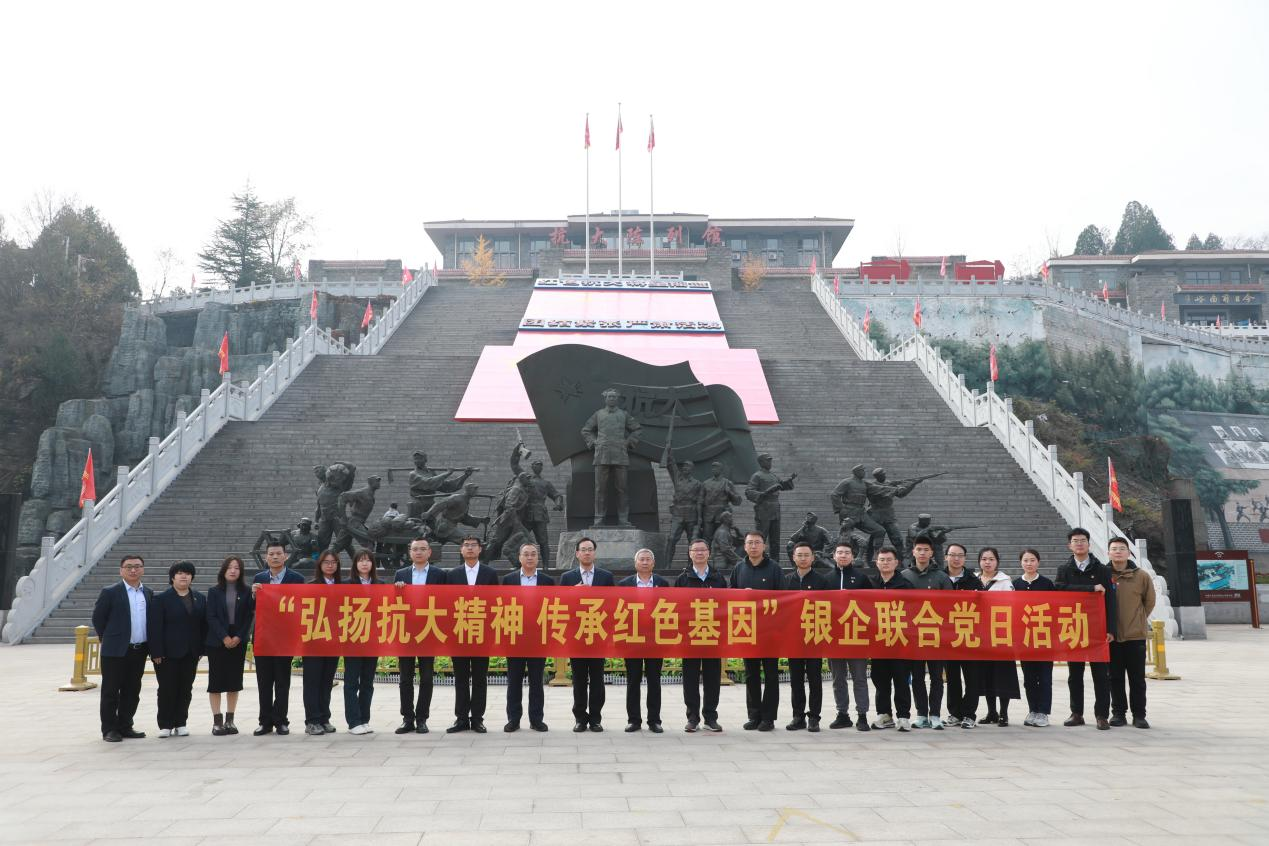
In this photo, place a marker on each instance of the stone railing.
(277, 291)
(64, 563)
(1226, 339)
(1065, 491)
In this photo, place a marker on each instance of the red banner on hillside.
(668, 623)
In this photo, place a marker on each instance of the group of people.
(177, 627)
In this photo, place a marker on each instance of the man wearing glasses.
(119, 618)
(1083, 572)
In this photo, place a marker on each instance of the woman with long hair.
(359, 672)
(999, 678)
(230, 609)
(319, 672)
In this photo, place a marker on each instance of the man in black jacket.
(962, 676)
(273, 672)
(805, 672)
(848, 672)
(762, 675)
(120, 618)
(1083, 572)
(638, 669)
(415, 713)
(698, 672)
(471, 673)
(588, 673)
(527, 575)
(891, 671)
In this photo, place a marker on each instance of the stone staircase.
(374, 411)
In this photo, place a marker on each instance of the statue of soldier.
(509, 521)
(336, 479)
(448, 512)
(726, 542)
(426, 485)
(720, 495)
(611, 432)
(811, 532)
(689, 502)
(764, 492)
(304, 545)
(354, 510)
(850, 500)
(881, 497)
(936, 534)
(535, 517)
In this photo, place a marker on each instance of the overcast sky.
(986, 129)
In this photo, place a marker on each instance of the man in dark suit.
(177, 627)
(639, 668)
(701, 673)
(273, 672)
(588, 673)
(526, 576)
(471, 674)
(120, 620)
(414, 713)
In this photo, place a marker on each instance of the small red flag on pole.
(87, 482)
(1163, 310)
(312, 308)
(991, 361)
(812, 265)
(943, 268)
(1044, 271)
(296, 271)
(367, 317)
(1115, 502)
(224, 354)
(837, 284)
(406, 276)
(618, 147)
(586, 143)
(916, 314)
(867, 318)
(1218, 321)
(652, 135)
(1105, 292)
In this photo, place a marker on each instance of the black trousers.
(927, 704)
(1037, 681)
(636, 670)
(588, 689)
(471, 686)
(273, 679)
(962, 688)
(359, 689)
(319, 678)
(121, 689)
(698, 671)
(176, 689)
(411, 711)
(804, 673)
(888, 672)
(1101, 687)
(762, 688)
(1128, 659)
(518, 669)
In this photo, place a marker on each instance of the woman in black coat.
(1037, 676)
(176, 629)
(359, 671)
(230, 611)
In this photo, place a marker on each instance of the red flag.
(837, 284)
(367, 317)
(586, 145)
(991, 362)
(87, 482)
(1044, 271)
(1218, 321)
(1115, 503)
(406, 276)
(812, 265)
(1163, 310)
(296, 271)
(224, 354)
(618, 131)
(652, 134)
(916, 314)
(1105, 293)
(943, 268)
(867, 318)
(312, 308)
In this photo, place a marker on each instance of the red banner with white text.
(580, 622)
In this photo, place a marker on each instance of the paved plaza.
(1201, 775)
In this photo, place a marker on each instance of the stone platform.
(614, 548)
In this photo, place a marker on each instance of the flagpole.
(652, 218)
(620, 235)
(586, 236)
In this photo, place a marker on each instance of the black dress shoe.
(131, 734)
(112, 737)
(1140, 722)
(766, 725)
(1002, 722)
(478, 726)
(263, 730)
(537, 725)
(405, 728)
(283, 730)
(712, 725)
(812, 723)
(655, 728)
(596, 727)
(579, 727)
(1103, 724)
(1117, 720)
(632, 727)
(513, 725)
(798, 724)
(422, 729)
(1074, 720)
(459, 725)
(751, 725)
(842, 721)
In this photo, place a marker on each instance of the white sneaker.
(165, 732)
(1041, 721)
(358, 730)
(883, 721)
(180, 731)
(367, 727)
(904, 725)
(969, 723)
(1030, 719)
(936, 723)
(920, 723)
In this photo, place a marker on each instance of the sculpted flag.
(366, 620)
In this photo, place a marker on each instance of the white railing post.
(86, 514)
(1079, 497)
(276, 355)
(1030, 424)
(180, 438)
(1108, 511)
(1009, 423)
(121, 484)
(960, 394)
(154, 465)
(259, 385)
(204, 400)
(290, 358)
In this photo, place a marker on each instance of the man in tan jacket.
(1134, 600)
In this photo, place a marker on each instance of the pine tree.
(1139, 231)
(1194, 243)
(1213, 242)
(237, 252)
(1090, 242)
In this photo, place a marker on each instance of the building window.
(466, 249)
(808, 248)
(1202, 277)
(537, 246)
(1235, 277)
(504, 250)
(739, 249)
(772, 252)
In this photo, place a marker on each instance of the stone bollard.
(79, 672)
(1155, 644)
(560, 679)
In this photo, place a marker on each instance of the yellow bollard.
(79, 675)
(1160, 670)
(560, 679)
(724, 679)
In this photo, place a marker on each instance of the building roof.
(1164, 257)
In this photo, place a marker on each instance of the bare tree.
(41, 210)
(1247, 242)
(287, 234)
(898, 242)
(166, 259)
(1054, 243)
